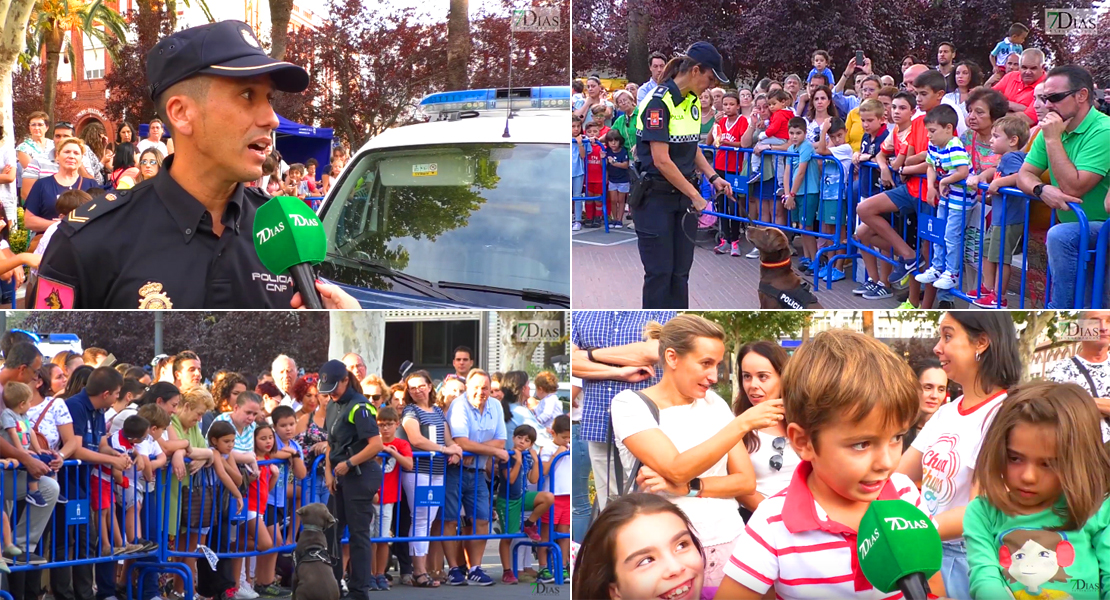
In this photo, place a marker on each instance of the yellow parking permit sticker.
(425, 170)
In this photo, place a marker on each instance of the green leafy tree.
(53, 19)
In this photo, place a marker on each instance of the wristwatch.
(1038, 189)
(349, 465)
(695, 488)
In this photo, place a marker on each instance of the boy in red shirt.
(400, 457)
(930, 89)
(595, 178)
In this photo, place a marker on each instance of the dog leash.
(690, 210)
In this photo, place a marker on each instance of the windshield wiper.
(525, 294)
(423, 286)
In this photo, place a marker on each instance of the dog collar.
(312, 527)
(774, 265)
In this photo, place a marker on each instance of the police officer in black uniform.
(351, 473)
(667, 132)
(184, 239)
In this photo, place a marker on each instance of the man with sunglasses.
(45, 166)
(1074, 146)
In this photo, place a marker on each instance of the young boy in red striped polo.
(802, 541)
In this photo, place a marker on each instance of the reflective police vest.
(684, 125)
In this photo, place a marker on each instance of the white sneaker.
(753, 254)
(929, 276)
(246, 593)
(576, 227)
(946, 281)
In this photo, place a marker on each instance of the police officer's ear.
(182, 104)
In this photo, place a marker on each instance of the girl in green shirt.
(1040, 528)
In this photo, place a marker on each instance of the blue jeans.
(576, 191)
(1062, 243)
(580, 485)
(950, 257)
(954, 570)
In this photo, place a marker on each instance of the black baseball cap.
(331, 374)
(707, 55)
(226, 49)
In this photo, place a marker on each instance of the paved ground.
(608, 274)
(491, 563)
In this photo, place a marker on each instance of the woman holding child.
(977, 350)
(692, 452)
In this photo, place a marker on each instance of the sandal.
(423, 580)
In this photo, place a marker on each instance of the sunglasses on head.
(63, 125)
(1057, 97)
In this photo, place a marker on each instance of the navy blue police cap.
(707, 55)
(225, 49)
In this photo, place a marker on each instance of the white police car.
(469, 209)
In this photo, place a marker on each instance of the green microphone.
(898, 548)
(288, 236)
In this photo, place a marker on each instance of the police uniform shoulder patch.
(89, 211)
(659, 91)
(654, 119)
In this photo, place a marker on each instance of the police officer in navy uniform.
(667, 133)
(351, 473)
(184, 239)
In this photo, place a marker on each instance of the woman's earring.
(977, 357)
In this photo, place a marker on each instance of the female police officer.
(351, 473)
(665, 212)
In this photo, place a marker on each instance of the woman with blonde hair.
(39, 211)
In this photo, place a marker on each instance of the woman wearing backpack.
(687, 439)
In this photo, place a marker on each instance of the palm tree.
(52, 19)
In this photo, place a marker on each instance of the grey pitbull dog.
(313, 578)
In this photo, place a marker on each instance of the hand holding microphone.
(899, 548)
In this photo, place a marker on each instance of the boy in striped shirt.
(802, 541)
(949, 165)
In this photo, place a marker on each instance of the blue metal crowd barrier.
(314, 201)
(431, 495)
(766, 189)
(603, 198)
(760, 188)
(929, 223)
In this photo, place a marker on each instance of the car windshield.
(479, 214)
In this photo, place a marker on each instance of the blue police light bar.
(536, 98)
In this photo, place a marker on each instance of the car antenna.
(509, 108)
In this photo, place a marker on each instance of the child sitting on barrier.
(616, 156)
(802, 195)
(258, 492)
(949, 165)
(400, 457)
(512, 500)
(560, 436)
(833, 140)
(1008, 137)
(295, 185)
(17, 401)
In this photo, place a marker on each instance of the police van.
(51, 344)
(469, 209)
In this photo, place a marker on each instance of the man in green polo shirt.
(1074, 145)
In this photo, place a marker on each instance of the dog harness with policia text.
(797, 298)
(661, 120)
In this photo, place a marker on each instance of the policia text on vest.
(665, 199)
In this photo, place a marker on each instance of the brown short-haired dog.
(313, 578)
(779, 285)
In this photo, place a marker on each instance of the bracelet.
(590, 354)
(715, 177)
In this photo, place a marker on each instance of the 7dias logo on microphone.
(265, 234)
(299, 221)
(900, 524)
